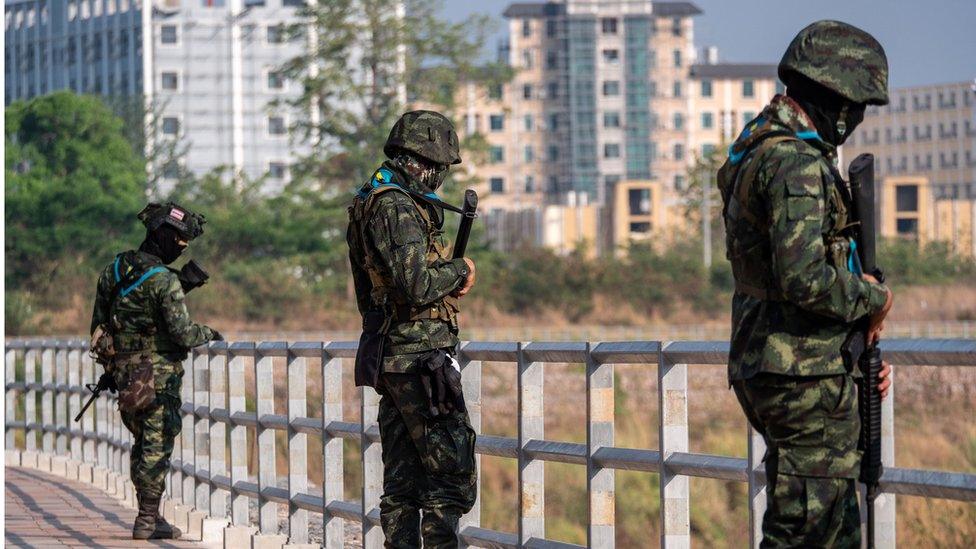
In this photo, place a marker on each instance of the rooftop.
(734, 70)
(547, 9)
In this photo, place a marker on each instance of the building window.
(528, 154)
(748, 88)
(611, 150)
(527, 59)
(527, 91)
(611, 88)
(276, 81)
(496, 122)
(277, 170)
(276, 125)
(907, 227)
(496, 185)
(171, 170)
(171, 125)
(611, 119)
(747, 117)
(553, 122)
(170, 81)
(677, 89)
(168, 34)
(679, 182)
(526, 28)
(496, 154)
(553, 152)
(677, 58)
(639, 201)
(214, 3)
(553, 90)
(276, 34)
(529, 122)
(679, 151)
(552, 60)
(550, 28)
(906, 198)
(609, 25)
(707, 150)
(611, 57)
(529, 184)
(495, 91)
(706, 88)
(640, 227)
(707, 121)
(679, 121)
(676, 26)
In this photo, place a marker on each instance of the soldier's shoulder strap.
(746, 164)
(384, 181)
(128, 278)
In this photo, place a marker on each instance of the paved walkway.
(46, 511)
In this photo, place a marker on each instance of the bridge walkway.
(47, 511)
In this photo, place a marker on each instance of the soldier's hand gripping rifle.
(469, 211)
(105, 382)
(861, 174)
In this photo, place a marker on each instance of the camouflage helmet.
(840, 57)
(427, 134)
(187, 223)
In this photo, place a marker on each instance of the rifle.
(861, 174)
(106, 382)
(469, 211)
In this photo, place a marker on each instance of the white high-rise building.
(206, 67)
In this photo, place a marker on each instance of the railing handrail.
(201, 476)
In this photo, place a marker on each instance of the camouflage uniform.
(148, 320)
(399, 264)
(786, 211)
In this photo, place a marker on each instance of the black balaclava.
(833, 116)
(163, 242)
(430, 175)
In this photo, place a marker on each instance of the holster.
(853, 348)
(369, 355)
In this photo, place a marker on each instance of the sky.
(927, 41)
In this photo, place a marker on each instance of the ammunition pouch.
(136, 382)
(102, 347)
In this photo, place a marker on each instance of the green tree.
(363, 60)
(74, 184)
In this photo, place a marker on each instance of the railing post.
(884, 505)
(531, 477)
(267, 472)
(74, 399)
(47, 396)
(218, 430)
(673, 435)
(102, 410)
(297, 443)
(189, 466)
(201, 439)
(372, 458)
(237, 403)
(61, 400)
(332, 446)
(757, 485)
(599, 433)
(88, 421)
(30, 400)
(10, 370)
(471, 382)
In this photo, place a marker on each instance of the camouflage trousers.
(154, 431)
(811, 428)
(428, 467)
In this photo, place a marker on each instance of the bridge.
(234, 394)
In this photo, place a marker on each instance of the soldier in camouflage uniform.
(404, 278)
(141, 304)
(786, 208)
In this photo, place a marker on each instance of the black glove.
(216, 335)
(107, 382)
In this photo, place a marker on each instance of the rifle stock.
(861, 174)
(469, 211)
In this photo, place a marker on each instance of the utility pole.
(706, 211)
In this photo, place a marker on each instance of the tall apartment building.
(208, 68)
(924, 144)
(606, 93)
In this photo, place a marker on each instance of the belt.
(763, 294)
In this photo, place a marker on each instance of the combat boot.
(145, 523)
(165, 530)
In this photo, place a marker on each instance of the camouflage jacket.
(795, 298)
(399, 264)
(151, 317)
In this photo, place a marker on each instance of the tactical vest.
(382, 291)
(747, 227)
(133, 328)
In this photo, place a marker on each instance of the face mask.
(851, 115)
(431, 176)
(163, 243)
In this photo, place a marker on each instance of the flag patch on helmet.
(176, 214)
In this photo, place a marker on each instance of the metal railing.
(219, 379)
